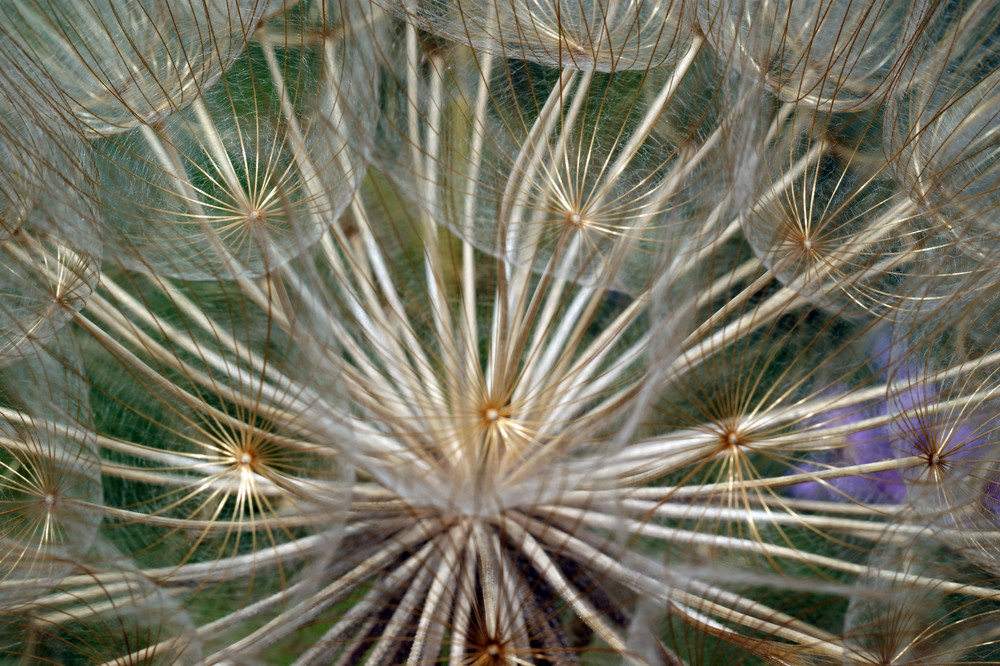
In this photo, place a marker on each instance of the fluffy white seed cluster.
(503, 332)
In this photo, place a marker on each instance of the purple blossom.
(864, 445)
(909, 429)
(874, 443)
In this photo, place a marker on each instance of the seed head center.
(575, 220)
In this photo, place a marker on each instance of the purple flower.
(863, 445)
(911, 428)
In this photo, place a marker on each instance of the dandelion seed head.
(505, 334)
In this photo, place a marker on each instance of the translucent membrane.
(602, 35)
(50, 485)
(109, 612)
(830, 54)
(218, 470)
(21, 179)
(942, 127)
(830, 222)
(943, 399)
(768, 389)
(49, 263)
(113, 65)
(904, 615)
(252, 172)
(45, 281)
(582, 175)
